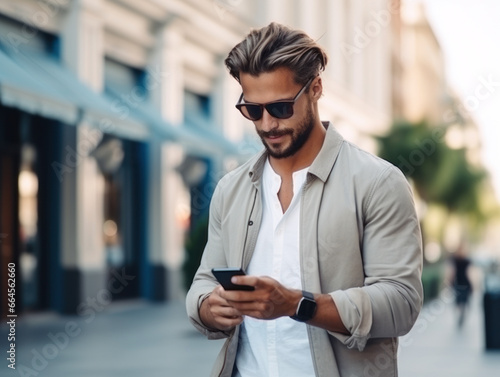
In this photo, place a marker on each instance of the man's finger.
(245, 280)
(229, 323)
(218, 298)
(238, 296)
(226, 311)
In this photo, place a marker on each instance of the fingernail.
(234, 280)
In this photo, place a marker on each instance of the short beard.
(299, 137)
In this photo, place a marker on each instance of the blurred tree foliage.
(195, 244)
(440, 175)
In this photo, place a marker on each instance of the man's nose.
(268, 123)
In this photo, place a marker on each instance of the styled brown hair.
(275, 46)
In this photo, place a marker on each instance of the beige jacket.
(360, 242)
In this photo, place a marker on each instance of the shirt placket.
(278, 234)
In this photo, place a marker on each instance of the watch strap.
(308, 295)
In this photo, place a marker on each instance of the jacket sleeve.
(390, 300)
(204, 281)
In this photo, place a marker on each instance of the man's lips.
(274, 136)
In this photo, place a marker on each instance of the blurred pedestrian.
(460, 281)
(327, 233)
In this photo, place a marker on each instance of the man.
(326, 232)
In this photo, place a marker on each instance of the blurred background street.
(117, 120)
(143, 339)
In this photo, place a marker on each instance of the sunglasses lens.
(280, 110)
(252, 112)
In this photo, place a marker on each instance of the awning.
(210, 134)
(196, 136)
(39, 84)
(193, 137)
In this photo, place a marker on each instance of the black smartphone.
(224, 275)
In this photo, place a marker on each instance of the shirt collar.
(322, 164)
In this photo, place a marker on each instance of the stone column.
(83, 251)
(168, 197)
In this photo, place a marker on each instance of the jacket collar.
(322, 164)
(324, 161)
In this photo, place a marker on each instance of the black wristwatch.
(306, 308)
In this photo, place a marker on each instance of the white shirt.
(277, 347)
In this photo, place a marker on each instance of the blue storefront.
(70, 235)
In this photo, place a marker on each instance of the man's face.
(281, 137)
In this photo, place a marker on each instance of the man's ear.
(317, 88)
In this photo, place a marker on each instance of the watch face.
(307, 309)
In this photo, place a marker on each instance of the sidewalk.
(124, 340)
(142, 339)
(436, 347)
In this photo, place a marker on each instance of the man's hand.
(269, 300)
(224, 310)
(217, 313)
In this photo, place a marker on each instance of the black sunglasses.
(282, 109)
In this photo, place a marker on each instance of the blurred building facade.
(111, 121)
(423, 73)
(423, 89)
(425, 96)
(101, 105)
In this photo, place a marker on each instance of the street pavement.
(132, 339)
(437, 347)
